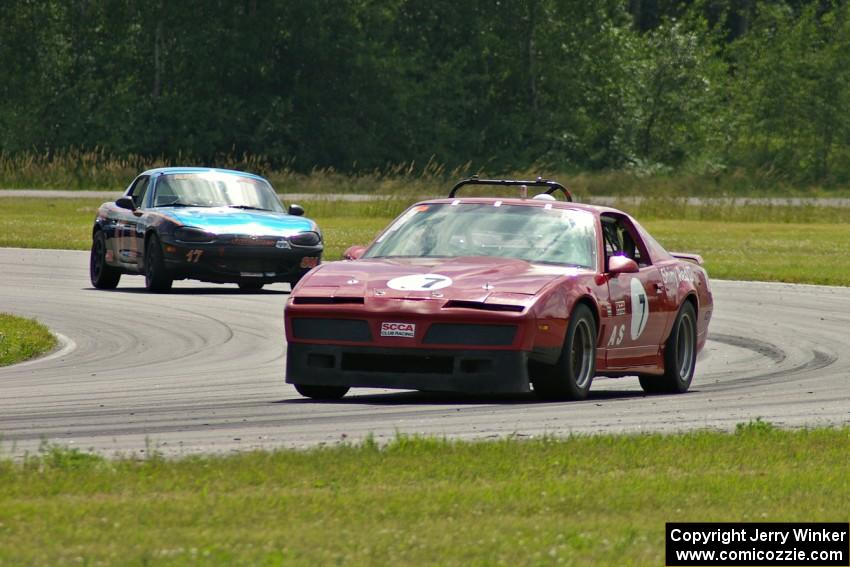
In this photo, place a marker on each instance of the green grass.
(769, 243)
(22, 339)
(600, 500)
(795, 253)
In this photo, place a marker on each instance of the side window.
(620, 239)
(139, 189)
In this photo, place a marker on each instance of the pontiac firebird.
(486, 295)
(213, 225)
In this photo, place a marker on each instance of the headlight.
(308, 238)
(186, 234)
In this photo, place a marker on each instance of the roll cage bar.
(539, 182)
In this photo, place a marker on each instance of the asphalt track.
(201, 370)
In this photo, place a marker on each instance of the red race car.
(486, 295)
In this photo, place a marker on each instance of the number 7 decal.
(640, 309)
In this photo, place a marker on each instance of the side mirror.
(353, 253)
(621, 265)
(126, 203)
(296, 210)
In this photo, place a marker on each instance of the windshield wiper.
(181, 204)
(248, 207)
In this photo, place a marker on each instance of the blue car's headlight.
(185, 234)
(308, 238)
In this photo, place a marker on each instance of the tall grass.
(98, 169)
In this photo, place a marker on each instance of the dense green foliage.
(597, 500)
(700, 86)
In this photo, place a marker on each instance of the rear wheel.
(571, 376)
(102, 275)
(680, 356)
(250, 285)
(321, 392)
(157, 277)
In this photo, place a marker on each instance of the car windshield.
(215, 189)
(533, 233)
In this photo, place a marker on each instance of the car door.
(129, 233)
(639, 304)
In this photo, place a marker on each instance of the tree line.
(703, 86)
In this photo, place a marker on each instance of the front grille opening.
(470, 335)
(331, 329)
(398, 364)
(320, 360)
(476, 365)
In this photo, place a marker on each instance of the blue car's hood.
(223, 220)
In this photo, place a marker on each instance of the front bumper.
(230, 264)
(438, 370)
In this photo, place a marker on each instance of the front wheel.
(321, 392)
(156, 276)
(102, 275)
(680, 356)
(571, 376)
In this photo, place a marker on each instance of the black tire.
(157, 277)
(321, 392)
(571, 376)
(250, 285)
(680, 356)
(102, 275)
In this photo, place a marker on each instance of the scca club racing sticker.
(420, 282)
(391, 329)
(640, 309)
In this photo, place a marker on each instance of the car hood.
(224, 220)
(465, 278)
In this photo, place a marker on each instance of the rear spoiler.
(551, 186)
(693, 258)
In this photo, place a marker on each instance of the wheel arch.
(691, 298)
(594, 310)
(97, 227)
(149, 233)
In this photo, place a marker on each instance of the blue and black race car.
(213, 225)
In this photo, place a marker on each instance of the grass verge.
(769, 243)
(22, 339)
(600, 500)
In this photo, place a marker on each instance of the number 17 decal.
(640, 309)
(193, 256)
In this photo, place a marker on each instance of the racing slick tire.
(102, 275)
(156, 275)
(680, 356)
(571, 376)
(250, 285)
(321, 392)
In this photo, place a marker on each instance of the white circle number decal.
(640, 309)
(420, 282)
